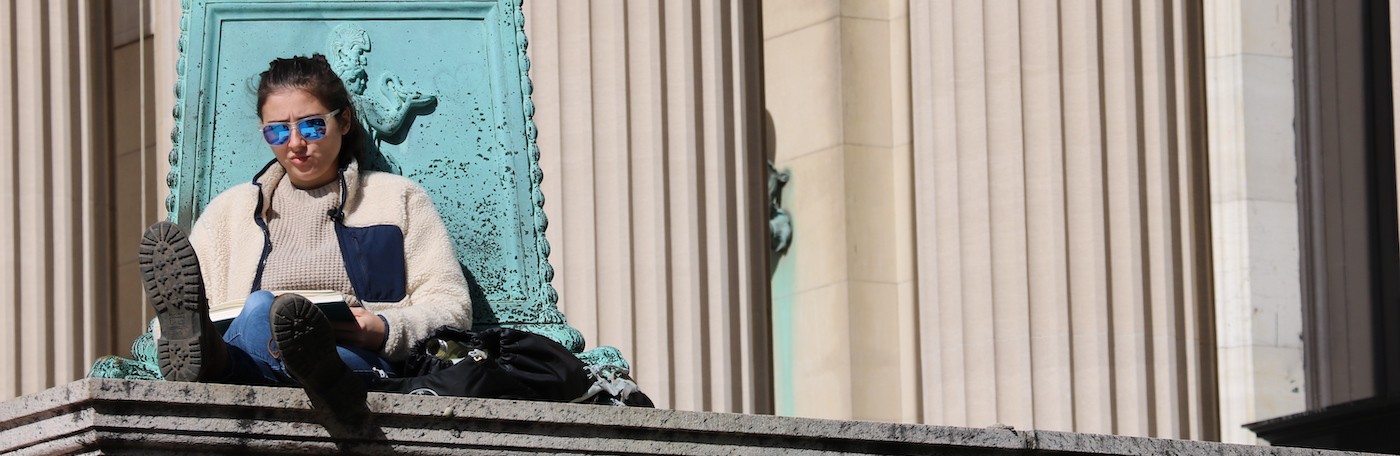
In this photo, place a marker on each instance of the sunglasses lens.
(312, 129)
(276, 134)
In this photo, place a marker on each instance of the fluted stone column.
(54, 201)
(1063, 244)
(649, 132)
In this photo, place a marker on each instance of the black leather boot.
(189, 348)
(306, 341)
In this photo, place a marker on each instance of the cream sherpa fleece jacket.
(230, 245)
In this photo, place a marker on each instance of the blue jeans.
(251, 350)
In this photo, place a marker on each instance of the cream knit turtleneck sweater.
(305, 253)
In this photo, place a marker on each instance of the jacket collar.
(267, 179)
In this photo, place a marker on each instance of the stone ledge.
(134, 416)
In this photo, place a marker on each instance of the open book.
(332, 303)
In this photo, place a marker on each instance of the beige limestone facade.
(1066, 215)
(1249, 83)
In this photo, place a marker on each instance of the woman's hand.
(367, 331)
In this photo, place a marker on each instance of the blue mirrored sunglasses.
(311, 128)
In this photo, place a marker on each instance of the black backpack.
(495, 363)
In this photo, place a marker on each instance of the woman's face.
(309, 164)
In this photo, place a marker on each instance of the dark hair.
(315, 76)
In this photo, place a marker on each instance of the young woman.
(311, 219)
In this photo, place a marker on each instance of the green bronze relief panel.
(443, 90)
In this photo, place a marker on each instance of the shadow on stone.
(483, 313)
(350, 422)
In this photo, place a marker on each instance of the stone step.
(153, 417)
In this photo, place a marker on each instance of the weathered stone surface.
(135, 416)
